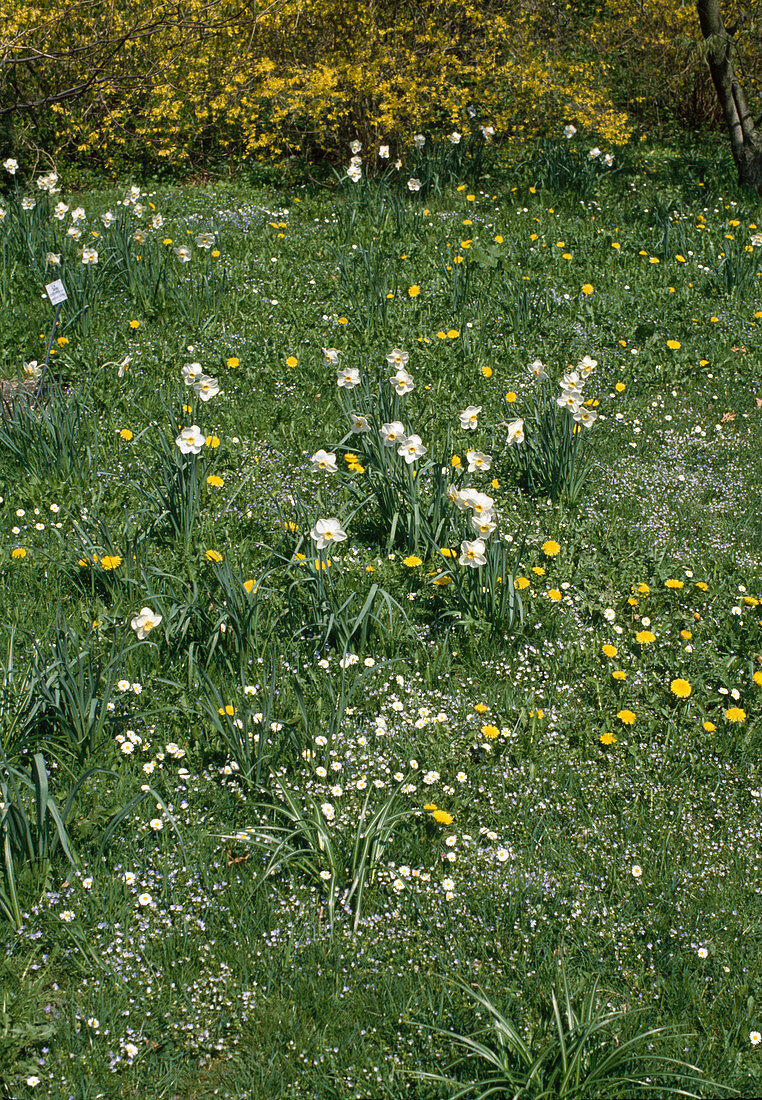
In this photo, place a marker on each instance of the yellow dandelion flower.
(674, 345)
(618, 674)
(587, 288)
(481, 708)
(111, 561)
(607, 739)
(490, 732)
(521, 583)
(411, 561)
(215, 481)
(413, 291)
(709, 727)
(248, 587)
(757, 678)
(443, 817)
(681, 688)
(18, 553)
(645, 637)
(125, 434)
(735, 714)
(291, 361)
(555, 595)
(626, 717)
(213, 555)
(551, 548)
(609, 650)
(487, 372)
(134, 324)
(233, 362)
(620, 387)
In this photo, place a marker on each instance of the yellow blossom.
(735, 714)
(213, 555)
(681, 688)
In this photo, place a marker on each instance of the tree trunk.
(744, 132)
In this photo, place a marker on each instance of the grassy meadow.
(381, 650)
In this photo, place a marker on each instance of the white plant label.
(56, 292)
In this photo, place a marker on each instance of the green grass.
(246, 891)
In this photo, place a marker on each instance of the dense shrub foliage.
(153, 84)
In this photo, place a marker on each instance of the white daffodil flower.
(397, 357)
(206, 387)
(192, 372)
(144, 622)
(569, 399)
(472, 553)
(516, 431)
(469, 418)
(477, 460)
(327, 531)
(191, 440)
(325, 461)
(480, 502)
(585, 417)
(348, 378)
(393, 434)
(483, 525)
(412, 449)
(402, 381)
